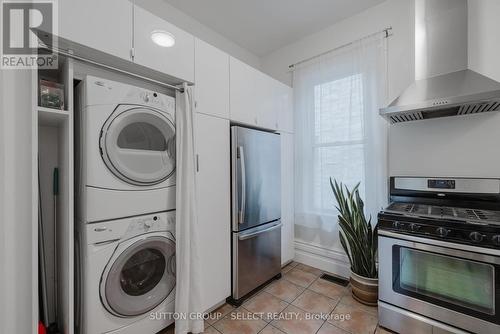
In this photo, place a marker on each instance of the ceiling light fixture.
(163, 38)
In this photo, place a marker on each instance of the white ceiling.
(263, 26)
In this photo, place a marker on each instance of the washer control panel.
(122, 229)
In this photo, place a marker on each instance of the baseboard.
(286, 263)
(328, 260)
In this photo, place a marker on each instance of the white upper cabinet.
(284, 96)
(102, 25)
(176, 61)
(259, 100)
(211, 80)
(267, 112)
(243, 97)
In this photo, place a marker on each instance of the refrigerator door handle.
(243, 185)
(255, 234)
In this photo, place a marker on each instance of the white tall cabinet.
(18, 215)
(287, 197)
(212, 147)
(213, 182)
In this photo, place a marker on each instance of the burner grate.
(442, 211)
(419, 209)
(445, 212)
(474, 214)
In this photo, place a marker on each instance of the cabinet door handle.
(197, 163)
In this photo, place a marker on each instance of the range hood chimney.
(444, 85)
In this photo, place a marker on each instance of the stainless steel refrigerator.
(256, 209)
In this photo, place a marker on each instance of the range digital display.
(441, 184)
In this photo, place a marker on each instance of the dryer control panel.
(99, 91)
(122, 229)
(158, 100)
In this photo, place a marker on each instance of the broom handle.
(41, 255)
(55, 191)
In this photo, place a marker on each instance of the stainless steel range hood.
(444, 85)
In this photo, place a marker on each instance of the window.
(339, 134)
(338, 143)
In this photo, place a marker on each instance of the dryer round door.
(138, 145)
(139, 277)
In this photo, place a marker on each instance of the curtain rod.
(70, 54)
(387, 32)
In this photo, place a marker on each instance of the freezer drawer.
(256, 257)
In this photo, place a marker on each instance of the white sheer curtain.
(339, 134)
(188, 287)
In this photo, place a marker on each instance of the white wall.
(484, 37)
(396, 13)
(173, 15)
(457, 146)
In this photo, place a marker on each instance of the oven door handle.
(473, 253)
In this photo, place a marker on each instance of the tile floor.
(301, 303)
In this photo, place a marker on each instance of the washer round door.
(140, 277)
(138, 145)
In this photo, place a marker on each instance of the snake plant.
(357, 236)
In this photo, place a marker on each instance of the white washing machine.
(126, 143)
(128, 281)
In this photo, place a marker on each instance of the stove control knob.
(476, 236)
(414, 227)
(396, 225)
(496, 239)
(442, 232)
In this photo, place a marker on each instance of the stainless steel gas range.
(439, 256)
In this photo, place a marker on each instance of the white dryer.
(126, 143)
(128, 275)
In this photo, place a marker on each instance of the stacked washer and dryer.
(126, 208)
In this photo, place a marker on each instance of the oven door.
(452, 283)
